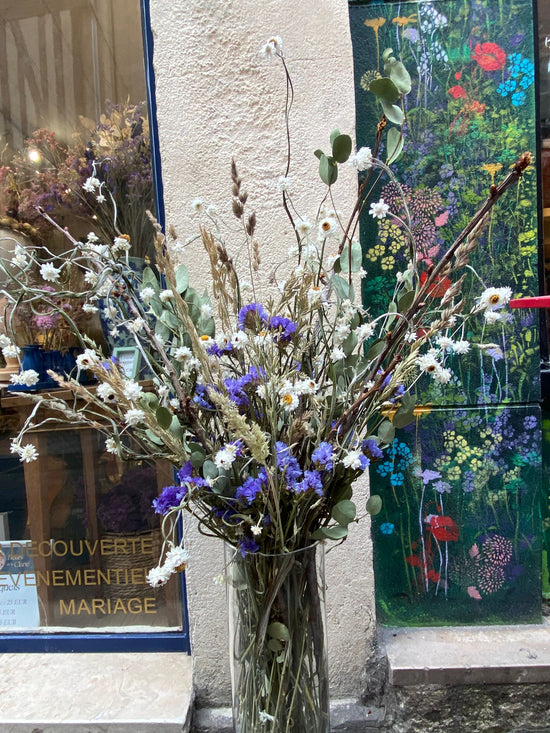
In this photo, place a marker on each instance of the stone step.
(469, 655)
(95, 693)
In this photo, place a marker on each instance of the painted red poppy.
(444, 529)
(489, 56)
(457, 92)
(414, 561)
(439, 287)
(433, 576)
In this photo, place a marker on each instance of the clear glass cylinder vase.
(277, 640)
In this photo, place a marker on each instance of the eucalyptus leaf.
(163, 417)
(387, 53)
(385, 90)
(394, 144)
(406, 300)
(153, 438)
(400, 77)
(209, 469)
(356, 258)
(376, 348)
(342, 288)
(386, 432)
(374, 505)
(341, 148)
(182, 279)
(317, 153)
(176, 428)
(333, 135)
(344, 512)
(274, 645)
(334, 533)
(393, 113)
(349, 344)
(403, 417)
(149, 400)
(197, 456)
(392, 308)
(278, 630)
(149, 279)
(328, 170)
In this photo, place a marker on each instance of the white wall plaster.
(217, 99)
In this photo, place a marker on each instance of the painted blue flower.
(530, 422)
(518, 98)
(442, 487)
(396, 479)
(387, 528)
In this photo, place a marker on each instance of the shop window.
(77, 530)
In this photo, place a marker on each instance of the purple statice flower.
(371, 446)
(201, 397)
(217, 350)
(247, 546)
(284, 326)
(251, 316)
(287, 464)
(170, 497)
(251, 487)
(311, 480)
(323, 455)
(235, 391)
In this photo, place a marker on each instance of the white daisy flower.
(364, 331)
(26, 378)
(328, 227)
(11, 351)
(92, 278)
(27, 453)
(91, 184)
(111, 446)
(493, 316)
(49, 272)
(289, 400)
(284, 183)
(494, 298)
(445, 343)
(379, 209)
(337, 354)
(106, 392)
(271, 48)
(362, 160)
(134, 417)
(225, 457)
(442, 375)
(136, 325)
(165, 295)
(88, 359)
(147, 294)
(461, 347)
(132, 390)
(121, 244)
(197, 205)
(175, 558)
(158, 576)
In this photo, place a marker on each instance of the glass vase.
(277, 641)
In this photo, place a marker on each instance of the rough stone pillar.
(217, 99)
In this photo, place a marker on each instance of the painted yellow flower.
(404, 20)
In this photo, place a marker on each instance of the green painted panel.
(469, 115)
(458, 540)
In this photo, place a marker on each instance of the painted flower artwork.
(458, 538)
